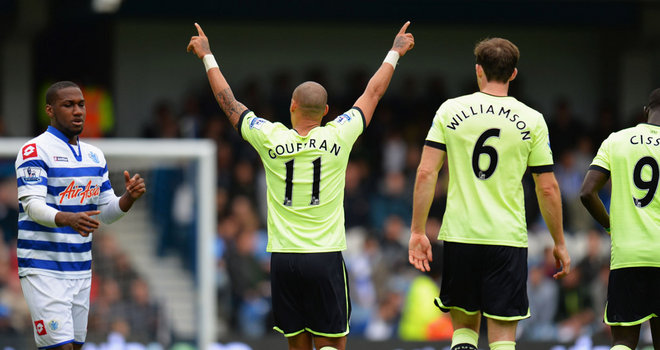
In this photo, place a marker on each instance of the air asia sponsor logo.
(72, 191)
(39, 326)
(29, 151)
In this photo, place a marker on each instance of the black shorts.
(633, 296)
(310, 293)
(490, 279)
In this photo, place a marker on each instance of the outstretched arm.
(403, 42)
(199, 45)
(549, 198)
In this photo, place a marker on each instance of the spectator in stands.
(543, 292)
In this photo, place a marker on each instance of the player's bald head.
(311, 97)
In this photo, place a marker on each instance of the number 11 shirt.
(490, 142)
(305, 178)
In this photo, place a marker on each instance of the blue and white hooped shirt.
(72, 179)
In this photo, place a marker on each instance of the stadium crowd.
(390, 298)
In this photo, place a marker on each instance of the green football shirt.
(490, 141)
(305, 178)
(631, 157)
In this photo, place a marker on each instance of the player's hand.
(419, 252)
(199, 44)
(562, 261)
(135, 186)
(403, 42)
(82, 222)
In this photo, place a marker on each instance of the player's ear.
(293, 106)
(514, 74)
(49, 110)
(326, 110)
(479, 70)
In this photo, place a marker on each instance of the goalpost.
(146, 154)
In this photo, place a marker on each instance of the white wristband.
(209, 62)
(392, 58)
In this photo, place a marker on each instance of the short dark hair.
(498, 57)
(51, 93)
(654, 99)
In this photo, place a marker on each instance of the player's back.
(305, 178)
(490, 141)
(631, 156)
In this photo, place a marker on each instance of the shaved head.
(311, 97)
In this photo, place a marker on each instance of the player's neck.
(303, 127)
(495, 89)
(654, 119)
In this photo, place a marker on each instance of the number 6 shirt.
(631, 157)
(305, 178)
(490, 142)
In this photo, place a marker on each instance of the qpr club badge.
(93, 157)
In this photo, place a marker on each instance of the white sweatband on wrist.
(110, 212)
(37, 209)
(209, 62)
(391, 58)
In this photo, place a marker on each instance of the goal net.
(154, 270)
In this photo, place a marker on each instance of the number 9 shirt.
(631, 157)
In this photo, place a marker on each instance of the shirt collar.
(60, 135)
(51, 129)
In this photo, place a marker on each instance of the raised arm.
(403, 42)
(199, 45)
(549, 198)
(593, 182)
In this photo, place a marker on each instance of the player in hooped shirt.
(64, 191)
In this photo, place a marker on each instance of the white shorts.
(59, 309)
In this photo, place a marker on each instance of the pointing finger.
(127, 176)
(200, 31)
(404, 28)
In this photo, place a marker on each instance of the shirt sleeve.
(110, 211)
(540, 157)
(37, 209)
(436, 135)
(349, 125)
(32, 171)
(255, 130)
(602, 159)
